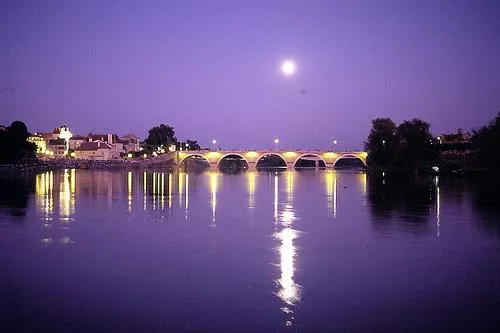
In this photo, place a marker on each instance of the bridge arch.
(270, 154)
(308, 154)
(349, 155)
(231, 154)
(184, 158)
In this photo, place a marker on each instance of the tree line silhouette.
(411, 148)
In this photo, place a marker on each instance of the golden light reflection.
(251, 175)
(162, 190)
(180, 183)
(73, 181)
(49, 197)
(289, 291)
(290, 179)
(129, 190)
(362, 179)
(170, 190)
(154, 190)
(331, 191)
(213, 189)
(66, 204)
(45, 200)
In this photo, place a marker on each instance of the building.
(111, 139)
(56, 148)
(43, 139)
(76, 141)
(96, 150)
(40, 142)
(459, 137)
(131, 143)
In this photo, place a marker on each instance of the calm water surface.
(294, 251)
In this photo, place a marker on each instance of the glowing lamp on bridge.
(213, 154)
(276, 141)
(251, 154)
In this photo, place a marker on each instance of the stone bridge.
(290, 157)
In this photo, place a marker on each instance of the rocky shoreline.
(35, 166)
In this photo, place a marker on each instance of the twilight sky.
(210, 68)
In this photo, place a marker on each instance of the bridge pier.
(330, 165)
(252, 166)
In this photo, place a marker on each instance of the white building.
(96, 150)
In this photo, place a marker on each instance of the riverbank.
(35, 166)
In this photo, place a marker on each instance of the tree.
(407, 147)
(487, 142)
(380, 144)
(161, 135)
(14, 145)
(193, 145)
(416, 147)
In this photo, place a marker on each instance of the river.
(267, 251)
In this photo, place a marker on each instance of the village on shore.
(61, 143)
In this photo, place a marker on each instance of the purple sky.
(210, 68)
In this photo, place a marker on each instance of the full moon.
(288, 67)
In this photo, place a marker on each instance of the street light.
(214, 142)
(187, 146)
(383, 142)
(276, 141)
(439, 139)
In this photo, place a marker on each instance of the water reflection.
(170, 190)
(408, 202)
(214, 180)
(331, 191)
(288, 290)
(65, 196)
(145, 188)
(187, 195)
(276, 199)
(251, 188)
(290, 183)
(486, 202)
(129, 190)
(438, 206)
(14, 195)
